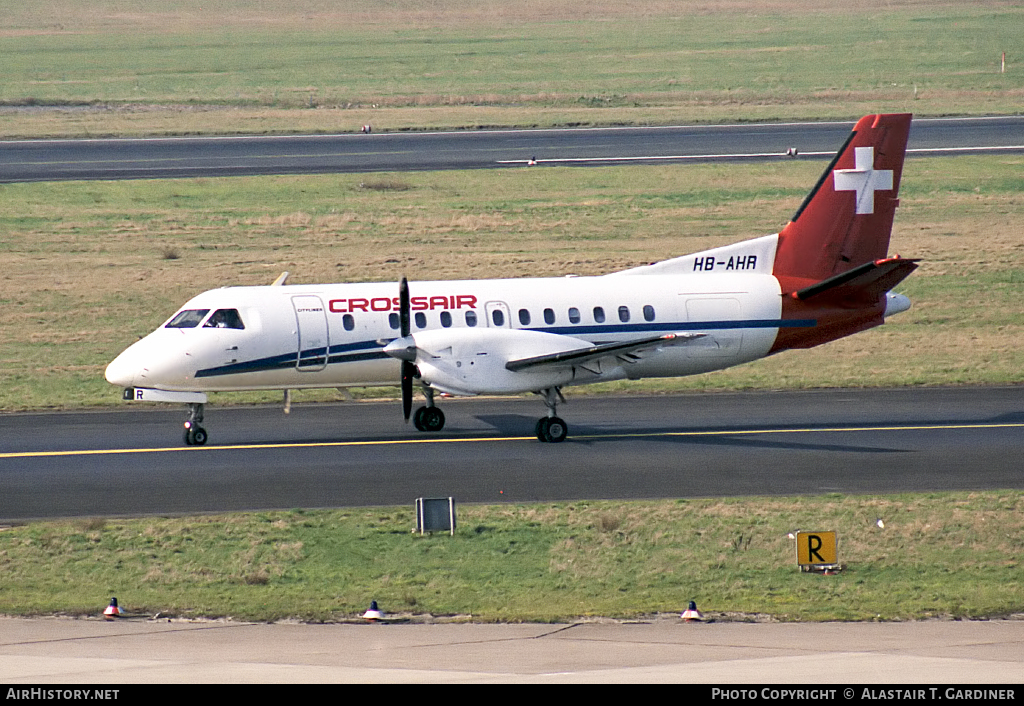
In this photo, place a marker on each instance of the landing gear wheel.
(552, 429)
(195, 436)
(428, 419)
(542, 429)
(417, 418)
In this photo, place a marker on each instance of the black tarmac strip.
(132, 461)
(152, 158)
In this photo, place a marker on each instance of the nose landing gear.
(194, 434)
(429, 418)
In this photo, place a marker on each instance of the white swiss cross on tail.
(864, 179)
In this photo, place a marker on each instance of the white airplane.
(826, 275)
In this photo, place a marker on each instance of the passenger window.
(498, 317)
(648, 312)
(189, 318)
(446, 319)
(348, 321)
(549, 316)
(574, 315)
(524, 317)
(421, 319)
(623, 314)
(225, 318)
(394, 321)
(598, 314)
(470, 318)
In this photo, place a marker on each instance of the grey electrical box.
(435, 515)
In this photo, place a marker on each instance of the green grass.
(951, 555)
(187, 67)
(85, 270)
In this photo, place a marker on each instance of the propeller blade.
(408, 367)
(403, 307)
(408, 373)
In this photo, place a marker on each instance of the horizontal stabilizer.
(583, 355)
(866, 282)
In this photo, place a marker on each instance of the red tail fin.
(847, 218)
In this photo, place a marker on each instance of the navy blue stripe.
(371, 350)
(673, 328)
(353, 357)
(276, 362)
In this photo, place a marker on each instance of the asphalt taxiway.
(132, 461)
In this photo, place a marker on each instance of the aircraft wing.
(623, 350)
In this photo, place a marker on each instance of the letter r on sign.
(813, 545)
(816, 548)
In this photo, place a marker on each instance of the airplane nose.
(122, 370)
(157, 361)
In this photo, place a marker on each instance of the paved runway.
(50, 160)
(132, 461)
(719, 654)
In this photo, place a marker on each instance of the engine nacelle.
(472, 361)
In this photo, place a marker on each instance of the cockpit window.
(189, 318)
(225, 318)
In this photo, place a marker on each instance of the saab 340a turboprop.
(824, 276)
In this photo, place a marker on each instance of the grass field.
(938, 555)
(185, 66)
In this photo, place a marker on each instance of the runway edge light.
(691, 614)
(374, 613)
(112, 611)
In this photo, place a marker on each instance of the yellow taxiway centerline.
(630, 435)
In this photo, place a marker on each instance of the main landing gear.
(194, 434)
(552, 428)
(429, 418)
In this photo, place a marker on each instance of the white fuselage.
(333, 335)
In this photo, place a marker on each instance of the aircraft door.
(313, 339)
(721, 342)
(498, 315)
